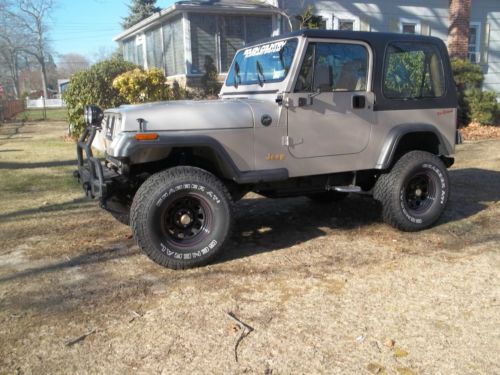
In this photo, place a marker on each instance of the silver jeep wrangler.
(314, 113)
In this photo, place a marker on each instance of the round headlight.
(93, 115)
(86, 115)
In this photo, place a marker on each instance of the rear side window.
(413, 71)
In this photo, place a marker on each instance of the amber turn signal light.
(147, 136)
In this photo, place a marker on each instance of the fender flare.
(392, 140)
(129, 145)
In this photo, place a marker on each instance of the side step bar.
(348, 189)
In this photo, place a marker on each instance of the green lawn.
(53, 114)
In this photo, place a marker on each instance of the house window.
(219, 37)
(345, 22)
(409, 27)
(173, 45)
(139, 43)
(232, 38)
(129, 50)
(474, 42)
(203, 41)
(346, 25)
(154, 48)
(258, 27)
(133, 50)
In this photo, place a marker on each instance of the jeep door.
(330, 108)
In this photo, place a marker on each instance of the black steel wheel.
(181, 217)
(420, 192)
(415, 192)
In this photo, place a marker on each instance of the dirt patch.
(327, 289)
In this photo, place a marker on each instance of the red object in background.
(1, 91)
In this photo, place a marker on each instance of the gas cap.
(266, 120)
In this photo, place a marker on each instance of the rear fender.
(398, 133)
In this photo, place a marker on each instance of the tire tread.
(139, 217)
(387, 193)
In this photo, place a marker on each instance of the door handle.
(358, 101)
(302, 102)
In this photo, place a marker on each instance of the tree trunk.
(458, 33)
(43, 70)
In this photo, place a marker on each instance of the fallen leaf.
(399, 353)
(406, 371)
(375, 368)
(390, 343)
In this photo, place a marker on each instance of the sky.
(87, 27)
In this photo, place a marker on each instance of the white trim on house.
(188, 53)
(477, 43)
(410, 22)
(333, 20)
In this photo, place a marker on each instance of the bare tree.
(11, 49)
(31, 15)
(70, 64)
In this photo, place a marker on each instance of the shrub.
(482, 105)
(467, 76)
(309, 20)
(179, 92)
(209, 81)
(94, 86)
(139, 86)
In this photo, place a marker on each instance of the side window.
(413, 71)
(304, 81)
(329, 67)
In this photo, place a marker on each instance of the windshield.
(262, 64)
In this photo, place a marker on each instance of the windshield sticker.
(265, 49)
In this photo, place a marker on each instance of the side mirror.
(93, 115)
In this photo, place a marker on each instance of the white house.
(179, 38)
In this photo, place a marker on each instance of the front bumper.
(97, 180)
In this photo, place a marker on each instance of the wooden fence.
(10, 108)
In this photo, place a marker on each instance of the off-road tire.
(166, 202)
(327, 197)
(415, 192)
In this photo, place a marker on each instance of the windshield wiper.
(237, 78)
(260, 73)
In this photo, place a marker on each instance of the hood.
(187, 115)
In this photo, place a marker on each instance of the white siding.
(386, 15)
(488, 13)
(382, 16)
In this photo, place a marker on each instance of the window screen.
(129, 50)
(409, 28)
(346, 25)
(174, 47)
(203, 40)
(333, 67)
(473, 43)
(232, 38)
(258, 28)
(154, 48)
(413, 71)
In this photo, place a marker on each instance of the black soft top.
(379, 42)
(369, 37)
